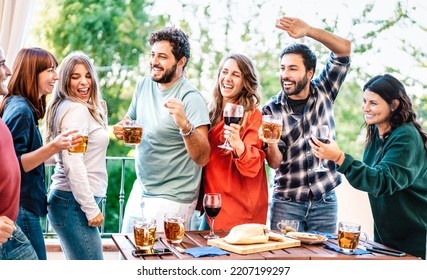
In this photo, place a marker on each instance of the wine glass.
(233, 113)
(212, 205)
(321, 132)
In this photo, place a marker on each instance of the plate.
(307, 238)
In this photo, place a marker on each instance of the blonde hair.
(96, 105)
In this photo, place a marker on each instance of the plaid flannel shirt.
(296, 176)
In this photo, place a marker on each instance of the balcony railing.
(48, 231)
(118, 221)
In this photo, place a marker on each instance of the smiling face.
(377, 111)
(230, 81)
(293, 76)
(165, 70)
(4, 73)
(46, 81)
(81, 82)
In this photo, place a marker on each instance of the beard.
(167, 76)
(300, 85)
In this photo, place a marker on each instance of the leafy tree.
(114, 34)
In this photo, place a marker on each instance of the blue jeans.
(18, 247)
(320, 215)
(30, 225)
(78, 240)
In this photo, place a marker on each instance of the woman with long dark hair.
(34, 76)
(394, 167)
(238, 175)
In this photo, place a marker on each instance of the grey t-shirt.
(163, 165)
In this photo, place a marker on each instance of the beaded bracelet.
(191, 131)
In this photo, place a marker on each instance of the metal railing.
(48, 231)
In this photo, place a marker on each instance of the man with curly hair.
(174, 146)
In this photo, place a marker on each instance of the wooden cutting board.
(254, 248)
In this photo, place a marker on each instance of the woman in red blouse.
(239, 175)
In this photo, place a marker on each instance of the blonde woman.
(79, 181)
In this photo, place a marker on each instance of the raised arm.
(297, 28)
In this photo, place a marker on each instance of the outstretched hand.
(328, 151)
(295, 27)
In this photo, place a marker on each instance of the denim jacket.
(20, 117)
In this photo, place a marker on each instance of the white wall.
(353, 206)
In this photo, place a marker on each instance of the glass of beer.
(144, 231)
(349, 236)
(132, 133)
(174, 227)
(271, 128)
(81, 147)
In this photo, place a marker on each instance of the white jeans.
(149, 207)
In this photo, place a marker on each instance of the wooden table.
(124, 243)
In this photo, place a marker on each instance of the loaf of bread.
(248, 234)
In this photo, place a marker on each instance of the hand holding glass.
(212, 204)
(321, 132)
(233, 113)
(132, 133)
(81, 147)
(271, 128)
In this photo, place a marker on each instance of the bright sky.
(388, 45)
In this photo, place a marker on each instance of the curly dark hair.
(178, 40)
(390, 88)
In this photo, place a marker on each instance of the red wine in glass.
(212, 203)
(212, 212)
(233, 113)
(320, 132)
(230, 120)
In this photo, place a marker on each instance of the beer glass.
(174, 227)
(132, 133)
(271, 128)
(349, 236)
(144, 231)
(82, 146)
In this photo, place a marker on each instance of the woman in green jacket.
(394, 167)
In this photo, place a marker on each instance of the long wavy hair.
(96, 105)
(389, 88)
(29, 63)
(249, 97)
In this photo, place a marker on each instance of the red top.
(242, 181)
(10, 175)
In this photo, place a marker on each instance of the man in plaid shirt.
(300, 193)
